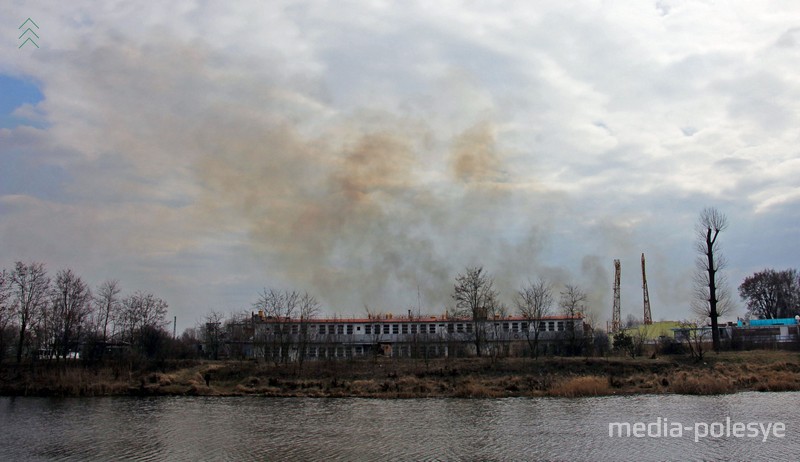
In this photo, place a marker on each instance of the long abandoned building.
(406, 336)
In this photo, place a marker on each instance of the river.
(252, 428)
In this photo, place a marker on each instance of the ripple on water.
(251, 428)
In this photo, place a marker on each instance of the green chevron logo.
(28, 33)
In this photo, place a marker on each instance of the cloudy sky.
(368, 151)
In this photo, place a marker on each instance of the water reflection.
(186, 428)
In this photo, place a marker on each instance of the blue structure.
(768, 322)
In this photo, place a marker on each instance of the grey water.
(305, 429)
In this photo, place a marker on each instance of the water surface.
(252, 428)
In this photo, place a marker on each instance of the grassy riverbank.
(387, 378)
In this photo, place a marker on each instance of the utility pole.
(648, 317)
(616, 313)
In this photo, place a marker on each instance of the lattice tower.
(648, 317)
(616, 314)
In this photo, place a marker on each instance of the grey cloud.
(361, 156)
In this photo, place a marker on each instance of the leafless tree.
(711, 293)
(142, 314)
(70, 309)
(418, 336)
(288, 314)
(6, 310)
(5, 291)
(374, 332)
(694, 336)
(496, 312)
(29, 286)
(308, 308)
(240, 331)
(535, 302)
(474, 296)
(573, 304)
(278, 312)
(107, 306)
(632, 321)
(640, 338)
(212, 333)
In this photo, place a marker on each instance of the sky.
(368, 152)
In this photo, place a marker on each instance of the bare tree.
(107, 306)
(308, 309)
(694, 336)
(419, 345)
(474, 296)
(240, 331)
(711, 294)
(270, 302)
(640, 338)
(212, 333)
(771, 294)
(29, 285)
(143, 319)
(632, 341)
(374, 332)
(6, 310)
(70, 308)
(632, 321)
(535, 302)
(496, 312)
(573, 305)
(287, 314)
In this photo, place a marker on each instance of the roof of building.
(421, 319)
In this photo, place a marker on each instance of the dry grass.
(470, 389)
(711, 384)
(777, 381)
(574, 387)
(454, 377)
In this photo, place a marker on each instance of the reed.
(686, 384)
(588, 385)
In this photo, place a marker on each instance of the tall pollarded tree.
(475, 298)
(711, 294)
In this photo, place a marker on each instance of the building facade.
(333, 338)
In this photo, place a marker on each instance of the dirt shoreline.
(728, 372)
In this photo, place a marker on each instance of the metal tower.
(616, 315)
(648, 318)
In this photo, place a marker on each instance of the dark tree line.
(61, 317)
(771, 294)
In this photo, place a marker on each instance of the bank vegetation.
(727, 372)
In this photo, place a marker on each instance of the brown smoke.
(475, 157)
(362, 217)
